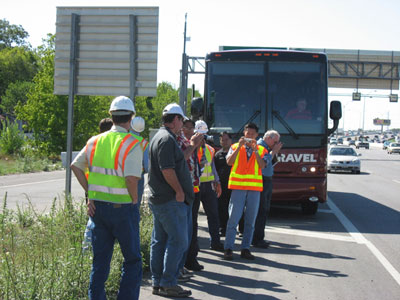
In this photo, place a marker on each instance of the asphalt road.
(348, 250)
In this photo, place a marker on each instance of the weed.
(41, 255)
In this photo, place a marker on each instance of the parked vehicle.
(393, 148)
(343, 158)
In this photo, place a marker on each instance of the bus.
(282, 90)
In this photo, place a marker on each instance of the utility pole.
(184, 73)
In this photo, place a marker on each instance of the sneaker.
(228, 254)
(174, 291)
(194, 266)
(183, 277)
(245, 253)
(187, 272)
(262, 244)
(217, 247)
(156, 290)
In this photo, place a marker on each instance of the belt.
(114, 205)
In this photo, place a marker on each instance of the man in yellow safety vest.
(114, 160)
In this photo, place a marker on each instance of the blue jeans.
(189, 232)
(116, 222)
(247, 201)
(263, 210)
(169, 241)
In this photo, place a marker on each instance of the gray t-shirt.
(164, 153)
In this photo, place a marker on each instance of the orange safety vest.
(246, 173)
(207, 174)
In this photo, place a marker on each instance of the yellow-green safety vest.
(207, 174)
(106, 154)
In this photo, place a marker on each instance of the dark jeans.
(210, 204)
(111, 222)
(223, 204)
(194, 243)
(263, 210)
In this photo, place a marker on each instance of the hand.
(277, 147)
(91, 208)
(180, 197)
(196, 139)
(242, 141)
(217, 189)
(253, 145)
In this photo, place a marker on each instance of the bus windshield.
(286, 96)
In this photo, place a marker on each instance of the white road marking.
(313, 234)
(28, 183)
(362, 240)
(397, 181)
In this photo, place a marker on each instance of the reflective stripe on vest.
(207, 174)
(106, 155)
(245, 173)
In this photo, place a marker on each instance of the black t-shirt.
(164, 153)
(222, 167)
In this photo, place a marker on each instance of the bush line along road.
(348, 250)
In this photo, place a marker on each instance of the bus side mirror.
(196, 109)
(335, 113)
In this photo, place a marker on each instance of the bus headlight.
(313, 169)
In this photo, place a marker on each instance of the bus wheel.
(309, 208)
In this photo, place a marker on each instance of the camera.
(208, 138)
(247, 140)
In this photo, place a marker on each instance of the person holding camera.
(245, 181)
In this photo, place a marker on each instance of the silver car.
(343, 158)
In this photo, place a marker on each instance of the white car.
(343, 158)
(393, 148)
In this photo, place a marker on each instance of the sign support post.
(72, 89)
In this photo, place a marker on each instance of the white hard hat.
(174, 109)
(137, 124)
(200, 126)
(122, 105)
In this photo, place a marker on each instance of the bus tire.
(309, 208)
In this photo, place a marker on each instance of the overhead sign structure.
(385, 122)
(116, 51)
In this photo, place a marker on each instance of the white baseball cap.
(200, 126)
(174, 109)
(122, 105)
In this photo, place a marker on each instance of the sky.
(334, 24)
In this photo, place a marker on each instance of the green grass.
(41, 255)
(13, 164)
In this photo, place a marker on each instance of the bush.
(41, 256)
(11, 139)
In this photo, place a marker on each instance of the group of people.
(183, 170)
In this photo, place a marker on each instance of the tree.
(46, 113)
(12, 35)
(16, 64)
(150, 109)
(17, 92)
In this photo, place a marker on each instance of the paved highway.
(348, 250)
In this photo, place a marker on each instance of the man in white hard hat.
(171, 196)
(114, 160)
(210, 188)
(137, 127)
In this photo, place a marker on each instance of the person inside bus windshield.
(300, 112)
